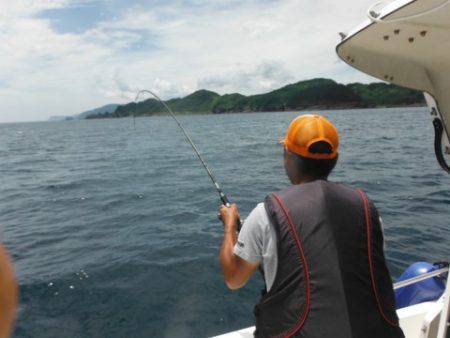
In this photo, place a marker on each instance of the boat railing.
(420, 278)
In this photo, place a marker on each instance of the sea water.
(113, 229)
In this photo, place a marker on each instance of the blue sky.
(61, 57)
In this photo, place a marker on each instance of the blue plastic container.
(427, 290)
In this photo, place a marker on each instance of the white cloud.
(118, 88)
(248, 78)
(24, 8)
(228, 46)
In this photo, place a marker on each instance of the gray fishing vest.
(332, 280)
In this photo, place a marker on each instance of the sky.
(63, 57)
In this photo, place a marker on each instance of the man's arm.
(8, 294)
(236, 271)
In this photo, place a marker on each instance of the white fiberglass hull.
(417, 321)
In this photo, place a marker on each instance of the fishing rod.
(222, 195)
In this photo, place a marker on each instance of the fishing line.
(219, 190)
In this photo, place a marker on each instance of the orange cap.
(306, 130)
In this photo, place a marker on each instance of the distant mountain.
(106, 109)
(109, 108)
(199, 102)
(59, 118)
(301, 95)
(310, 94)
(386, 94)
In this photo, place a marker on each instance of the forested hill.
(310, 94)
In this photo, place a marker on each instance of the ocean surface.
(114, 233)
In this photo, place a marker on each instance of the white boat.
(407, 42)
(423, 320)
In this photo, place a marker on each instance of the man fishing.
(320, 246)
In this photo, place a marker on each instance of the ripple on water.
(135, 211)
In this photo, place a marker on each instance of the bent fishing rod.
(216, 184)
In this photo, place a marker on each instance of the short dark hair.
(317, 169)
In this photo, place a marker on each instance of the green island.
(304, 95)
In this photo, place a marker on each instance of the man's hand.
(230, 217)
(236, 271)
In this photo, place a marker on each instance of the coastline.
(298, 109)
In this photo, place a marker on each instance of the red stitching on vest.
(369, 254)
(289, 333)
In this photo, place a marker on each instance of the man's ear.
(289, 165)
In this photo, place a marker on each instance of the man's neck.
(307, 180)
